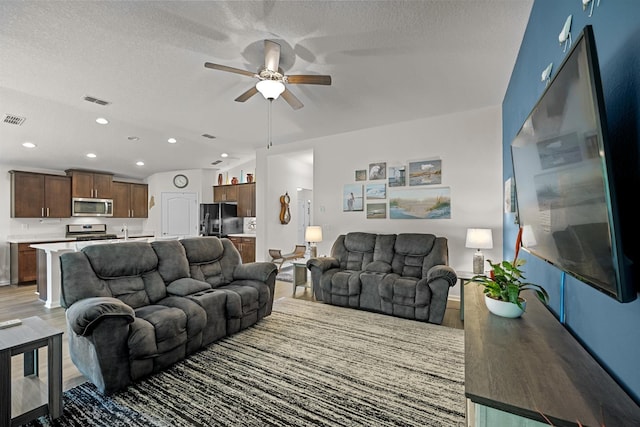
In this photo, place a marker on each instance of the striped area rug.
(307, 364)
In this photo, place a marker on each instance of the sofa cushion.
(121, 259)
(202, 250)
(410, 252)
(157, 329)
(129, 270)
(211, 260)
(172, 260)
(354, 250)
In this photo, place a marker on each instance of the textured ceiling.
(391, 61)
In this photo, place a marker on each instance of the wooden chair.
(279, 258)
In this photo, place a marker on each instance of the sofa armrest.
(254, 271)
(439, 279)
(442, 272)
(323, 263)
(84, 315)
(378, 267)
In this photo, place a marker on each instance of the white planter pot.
(504, 308)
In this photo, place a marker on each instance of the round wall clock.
(180, 181)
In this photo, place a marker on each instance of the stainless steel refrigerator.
(219, 219)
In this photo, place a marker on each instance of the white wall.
(201, 181)
(469, 145)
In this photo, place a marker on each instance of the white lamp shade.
(479, 238)
(270, 89)
(313, 234)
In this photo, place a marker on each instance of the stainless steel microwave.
(81, 206)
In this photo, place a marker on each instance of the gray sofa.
(134, 308)
(405, 275)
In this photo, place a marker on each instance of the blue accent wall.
(609, 330)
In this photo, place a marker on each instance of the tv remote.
(10, 323)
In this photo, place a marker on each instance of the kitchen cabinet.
(23, 263)
(225, 193)
(247, 200)
(35, 195)
(244, 194)
(130, 200)
(246, 246)
(90, 184)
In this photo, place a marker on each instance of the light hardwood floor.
(22, 301)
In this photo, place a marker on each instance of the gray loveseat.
(134, 308)
(405, 275)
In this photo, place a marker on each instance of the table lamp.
(313, 235)
(479, 238)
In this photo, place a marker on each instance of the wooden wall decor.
(285, 213)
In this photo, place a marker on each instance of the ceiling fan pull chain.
(269, 142)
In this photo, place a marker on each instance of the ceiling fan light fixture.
(270, 89)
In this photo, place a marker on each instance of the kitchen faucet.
(126, 231)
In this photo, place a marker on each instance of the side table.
(26, 339)
(300, 275)
(463, 277)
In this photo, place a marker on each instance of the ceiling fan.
(272, 81)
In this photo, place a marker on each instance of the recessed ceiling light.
(224, 155)
(102, 120)
(133, 138)
(91, 155)
(140, 163)
(172, 140)
(29, 145)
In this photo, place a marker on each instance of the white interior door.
(180, 214)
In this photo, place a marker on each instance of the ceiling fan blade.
(291, 99)
(229, 69)
(248, 94)
(309, 79)
(271, 55)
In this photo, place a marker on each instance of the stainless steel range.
(89, 232)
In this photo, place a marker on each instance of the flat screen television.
(562, 167)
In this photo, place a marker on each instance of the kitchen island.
(49, 264)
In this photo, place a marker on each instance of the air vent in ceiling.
(96, 100)
(206, 135)
(13, 119)
(217, 162)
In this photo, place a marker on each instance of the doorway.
(304, 212)
(180, 212)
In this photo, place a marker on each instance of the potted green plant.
(503, 285)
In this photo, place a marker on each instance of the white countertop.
(58, 238)
(45, 238)
(77, 245)
(243, 235)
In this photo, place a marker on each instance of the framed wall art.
(425, 172)
(352, 198)
(420, 203)
(377, 171)
(376, 210)
(361, 175)
(376, 191)
(397, 176)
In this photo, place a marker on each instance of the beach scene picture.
(427, 203)
(376, 210)
(352, 198)
(396, 176)
(426, 172)
(376, 191)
